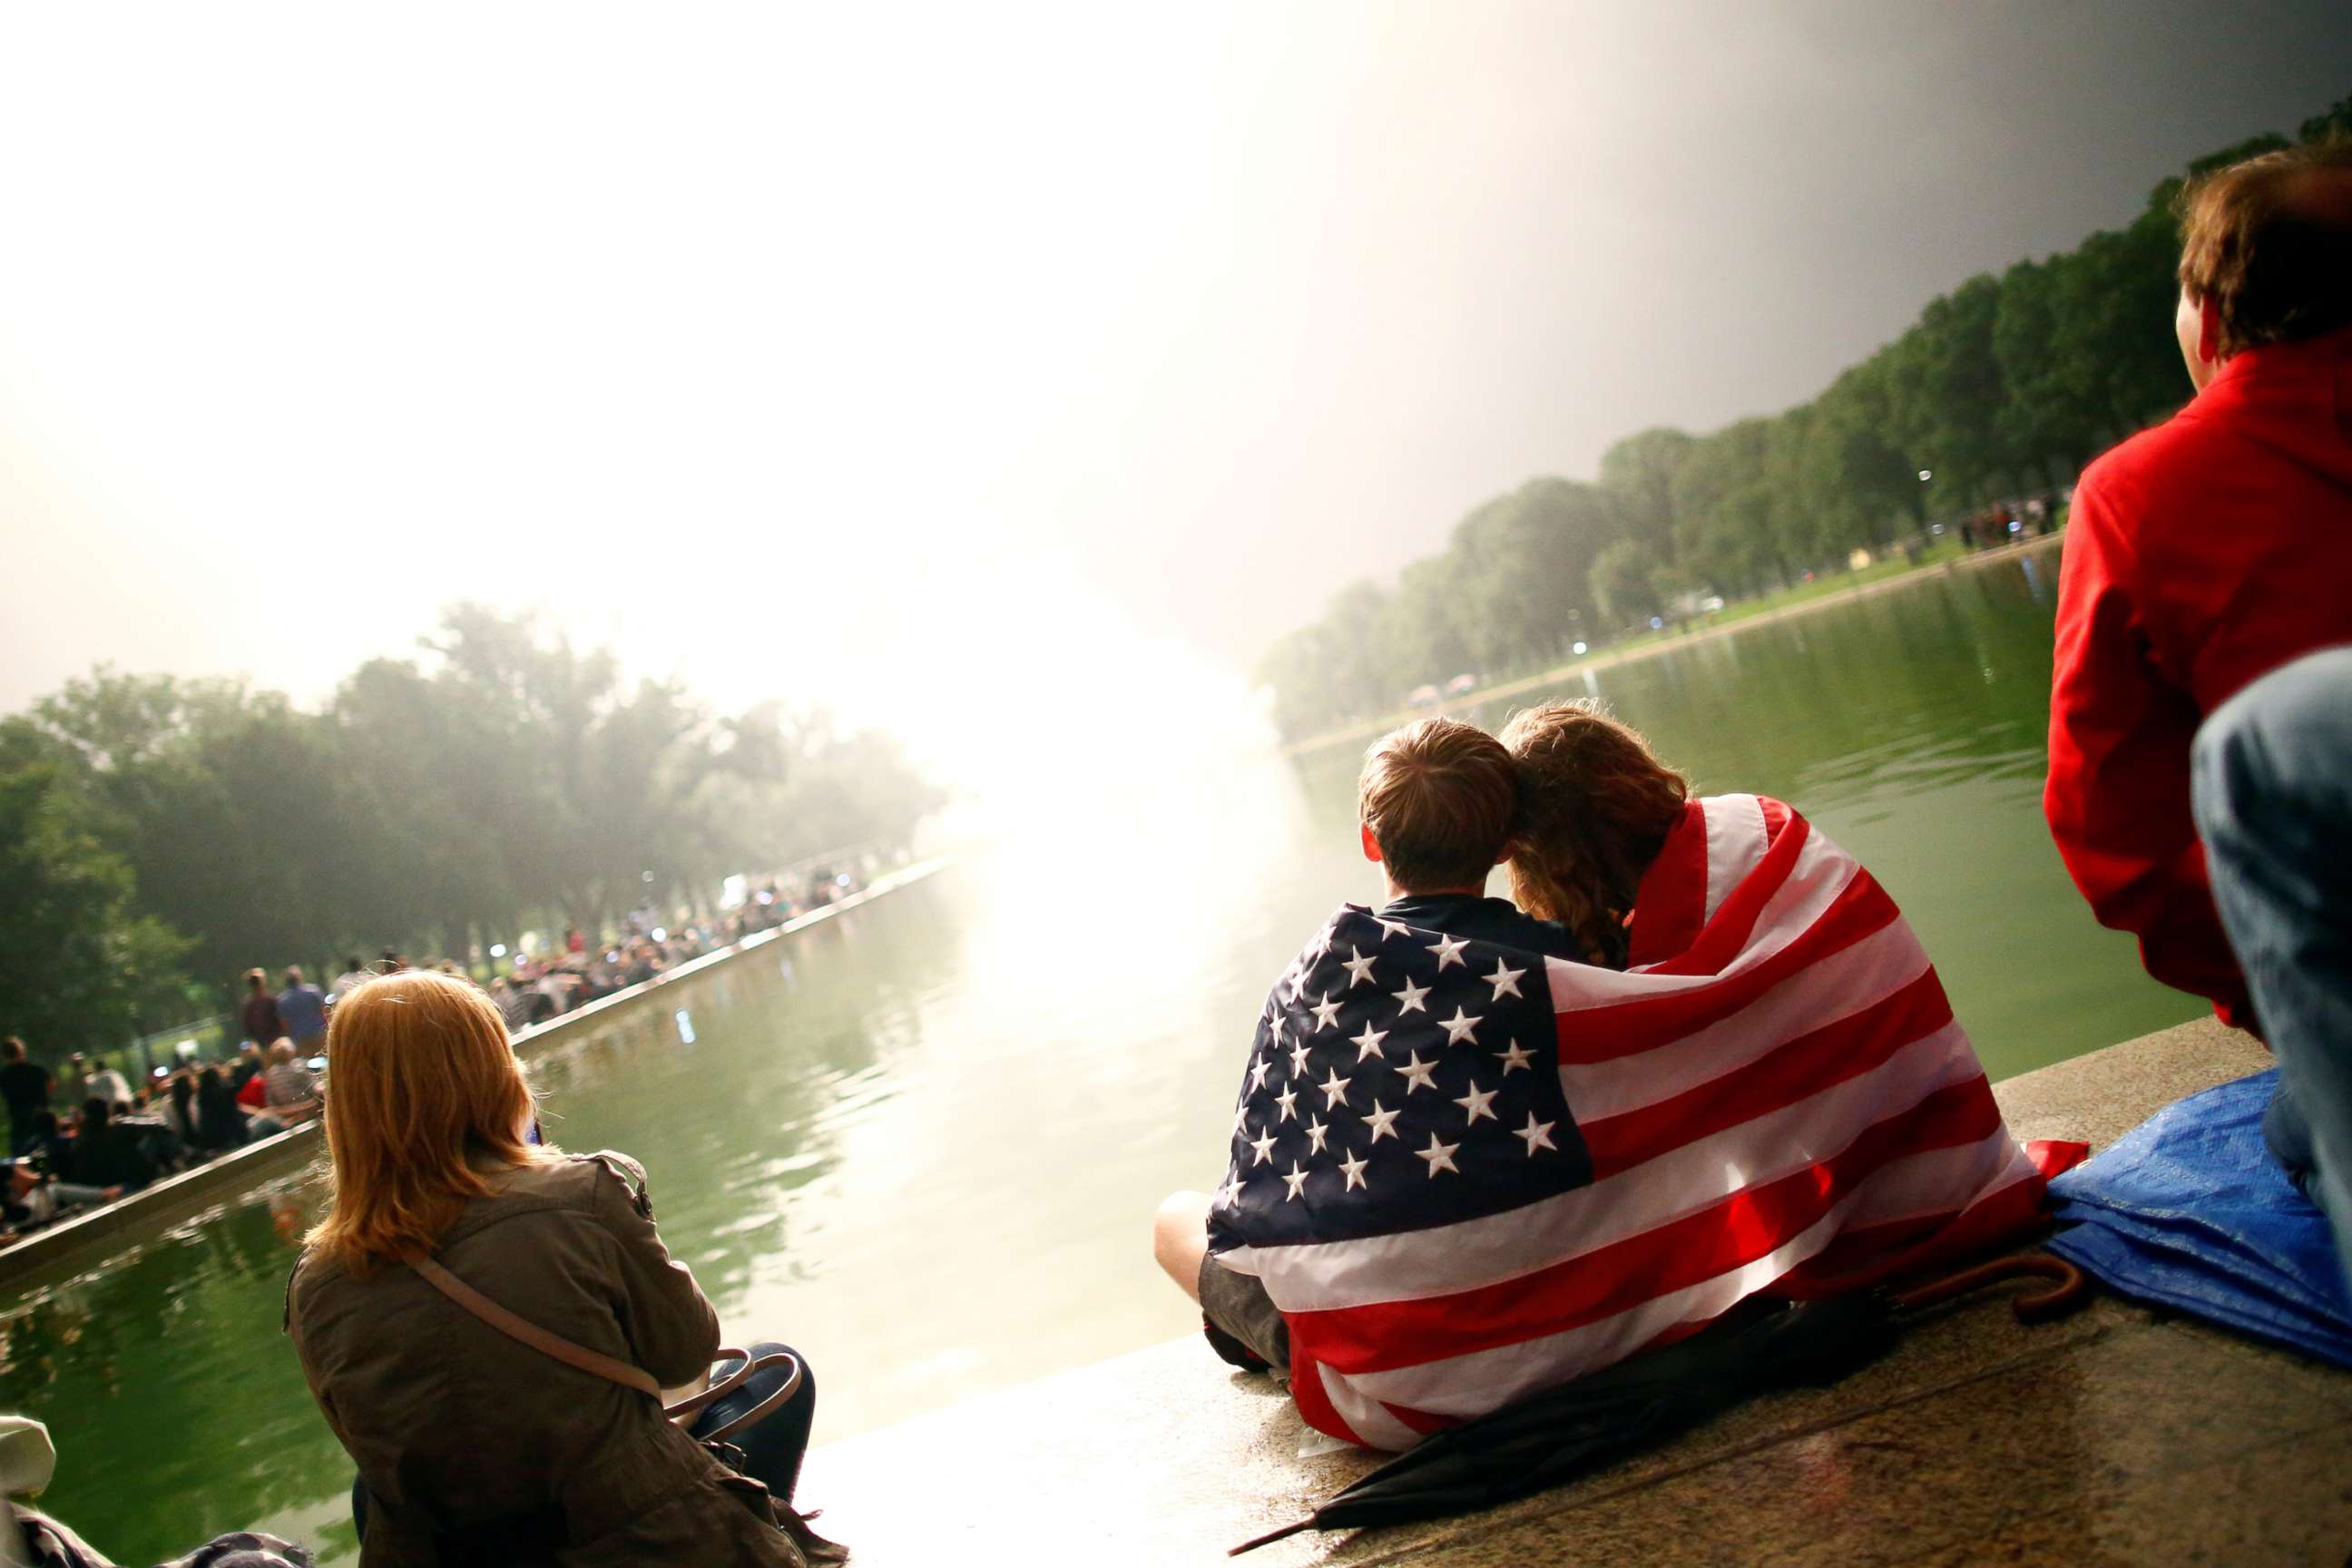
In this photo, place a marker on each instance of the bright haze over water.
(919, 359)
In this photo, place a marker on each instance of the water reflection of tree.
(173, 1400)
(734, 1123)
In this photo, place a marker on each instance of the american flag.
(1465, 1173)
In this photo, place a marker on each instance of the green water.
(922, 1142)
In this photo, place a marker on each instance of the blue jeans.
(2271, 783)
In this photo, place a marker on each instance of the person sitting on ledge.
(472, 1447)
(2208, 574)
(1468, 1168)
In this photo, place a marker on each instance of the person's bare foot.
(110, 1194)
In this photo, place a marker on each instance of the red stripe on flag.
(1671, 903)
(1421, 1421)
(1728, 935)
(1743, 1227)
(1314, 1406)
(1776, 817)
(1794, 1072)
(1621, 1029)
(1995, 1219)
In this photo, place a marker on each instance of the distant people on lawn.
(259, 1018)
(26, 1086)
(2201, 721)
(302, 1010)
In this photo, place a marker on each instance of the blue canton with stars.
(1399, 1078)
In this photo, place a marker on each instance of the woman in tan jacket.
(472, 1447)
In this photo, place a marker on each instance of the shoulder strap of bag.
(532, 1334)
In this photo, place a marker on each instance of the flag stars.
(1352, 1168)
(1358, 968)
(1327, 1014)
(1418, 1074)
(1298, 1059)
(1316, 1130)
(1391, 928)
(1504, 979)
(1335, 1089)
(1516, 1058)
(1263, 1145)
(1449, 951)
(1439, 1155)
(1408, 1000)
(1478, 1103)
(1537, 1135)
(1463, 1025)
(1367, 1044)
(1258, 1070)
(1296, 1179)
(1288, 1100)
(1381, 1122)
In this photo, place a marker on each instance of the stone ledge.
(2114, 1436)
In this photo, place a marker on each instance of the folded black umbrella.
(1553, 1437)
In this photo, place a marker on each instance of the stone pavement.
(2115, 1435)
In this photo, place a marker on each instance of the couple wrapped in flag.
(1482, 1149)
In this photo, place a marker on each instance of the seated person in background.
(105, 1083)
(291, 1088)
(219, 1123)
(2208, 567)
(33, 1199)
(251, 1063)
(105, 1155)
(1435, 805)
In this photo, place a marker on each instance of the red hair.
(422, 1082)
(1595, 806)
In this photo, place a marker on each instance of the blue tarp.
(2189, 1211)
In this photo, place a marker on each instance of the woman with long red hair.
(470, 1445)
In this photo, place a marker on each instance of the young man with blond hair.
(1435, 805)
(2201, 715)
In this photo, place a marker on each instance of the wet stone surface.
(2116, 1436)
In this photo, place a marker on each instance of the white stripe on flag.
(1735, 843)
(1439, 1261)
(1839, 986)
(1483, 1380)
(1821, 873)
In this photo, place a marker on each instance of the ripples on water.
(922, 1142)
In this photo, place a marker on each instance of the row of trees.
(2005, 386)
(157, 831)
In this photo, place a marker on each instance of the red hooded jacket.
(2200, 555)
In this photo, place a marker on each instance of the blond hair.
(1438, 798)
(422, 1082)
(1594, 807)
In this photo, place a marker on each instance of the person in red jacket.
(2206, 552)
(2203, 555)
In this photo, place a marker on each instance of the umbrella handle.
(2063, 1294)
(1270, 1536)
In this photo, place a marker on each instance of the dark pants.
(771, 1451)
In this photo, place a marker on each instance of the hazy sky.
(909, 357)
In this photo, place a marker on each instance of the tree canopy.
(2003, 387)
(155, 830)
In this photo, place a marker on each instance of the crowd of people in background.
(86, 1133)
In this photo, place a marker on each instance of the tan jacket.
(453, 1425)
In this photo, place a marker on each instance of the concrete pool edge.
(66, 1248)
(2117, 1434)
